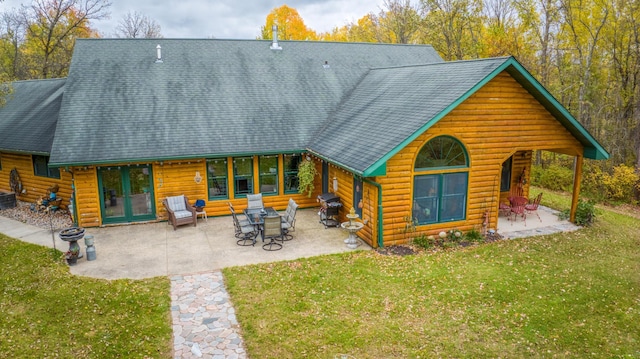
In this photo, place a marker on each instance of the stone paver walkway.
(204, 320)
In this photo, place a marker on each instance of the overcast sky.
(227, 19)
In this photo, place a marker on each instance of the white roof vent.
(158, 54)
(274, 43)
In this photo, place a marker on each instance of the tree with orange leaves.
(290, 25)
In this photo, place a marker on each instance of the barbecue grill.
(329, 208)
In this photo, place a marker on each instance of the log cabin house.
(394, 131)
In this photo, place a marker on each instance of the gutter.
(380, 224)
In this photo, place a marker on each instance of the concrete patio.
(155, 249)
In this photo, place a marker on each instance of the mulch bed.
(405, 250)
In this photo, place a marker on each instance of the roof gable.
(391, 107)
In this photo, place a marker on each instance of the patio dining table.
(256, 216)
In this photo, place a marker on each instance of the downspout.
(380, 226)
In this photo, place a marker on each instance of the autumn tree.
(51, 29)
(136, 25)
(453, 27)
(290, 25)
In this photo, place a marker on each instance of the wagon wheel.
(14, 181)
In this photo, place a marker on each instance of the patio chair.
(246, 234)
(289, 219)
(532, 206)
(255, 201)
(272, 229)
(242, 219)
(504, 209)
(180, 211)
(517, 209)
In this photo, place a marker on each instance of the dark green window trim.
(291, 163)
(505, 178)
(217, 178)
(269, 174)
(41, 167)
(443, 152)
(242, 176)
(440, 197)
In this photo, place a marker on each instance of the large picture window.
(440, 196)
(243, 176)
(217, 178)
(41, 167)
(268, 166)
(291, 163)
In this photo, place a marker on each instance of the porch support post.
(577, 178)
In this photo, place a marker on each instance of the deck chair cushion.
(176, 203)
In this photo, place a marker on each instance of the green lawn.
(46, 312)
(567, 295)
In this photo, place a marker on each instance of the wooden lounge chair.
(180, 211)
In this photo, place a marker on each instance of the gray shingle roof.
(391, 105)
(207, 97)
(28, 119)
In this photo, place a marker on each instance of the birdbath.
(72, 235)
(352, 226)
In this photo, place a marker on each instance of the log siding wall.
(34, 187)
(172, 178)
(500, 120)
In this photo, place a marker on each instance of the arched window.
(440, 196)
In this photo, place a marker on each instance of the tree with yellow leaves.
(290, 25)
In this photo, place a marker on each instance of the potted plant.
(72, 255)
(306, 177)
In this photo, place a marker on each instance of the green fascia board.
(166, 159)
(372, 171)
(593, 149)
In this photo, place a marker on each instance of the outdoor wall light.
(197, 178)
(335, 184)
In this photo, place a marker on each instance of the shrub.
(474, 235)
(424, 241)
(621, 185)
(585, 213)
(553, 177)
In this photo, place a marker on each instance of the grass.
(46, 312)
(568, 295)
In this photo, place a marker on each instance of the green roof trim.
(380, 170)
(592, 150)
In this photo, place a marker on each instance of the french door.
(127, 194)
